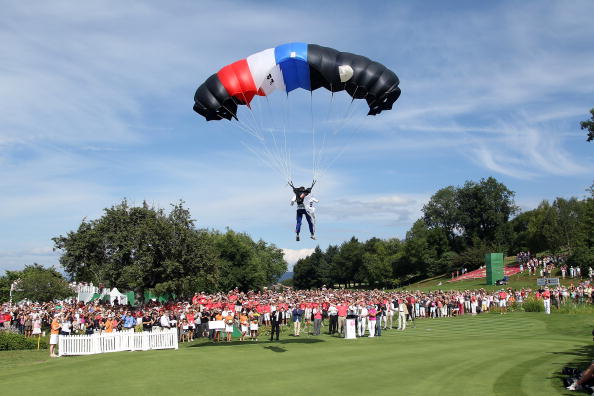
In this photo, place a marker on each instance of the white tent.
(116, 296)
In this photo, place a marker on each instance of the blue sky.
(96, 105)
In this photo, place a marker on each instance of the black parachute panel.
(362, 79)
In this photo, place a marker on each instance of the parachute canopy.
(291, 66)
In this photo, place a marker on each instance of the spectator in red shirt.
(503, 301)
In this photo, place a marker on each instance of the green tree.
(5, 283)
(570, 214)
(587, 225)
(545, 230)
(473, 257)
(141, 248)
(418, 253)
(348, 262)
(331, 270)
(588, 125)
(246, 264)
(304, 274)
(377, 263)
(442, 211)
(484, 209)
(37, 283)
(582, 257)
(523, 238)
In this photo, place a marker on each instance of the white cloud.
(367, 209)
(525, 150)
(292, 256)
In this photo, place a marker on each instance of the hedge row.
(11, 342)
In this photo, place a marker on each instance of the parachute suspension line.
(281, 151)
(355, 133)
(287, 117)
(325, 126)
(258, 112)
(248, 129)
(313, 136)
(253, 130)
(271, 155)
(251, 112)
(337, 128)
(265, 158)
(285, 120)
(345, 117)
(242, 125)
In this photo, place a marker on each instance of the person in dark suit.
(275, 319)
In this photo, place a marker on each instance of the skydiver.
(309, 202)
(304, 207)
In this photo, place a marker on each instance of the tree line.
(35, 283)
(460, 224)
(142, 248)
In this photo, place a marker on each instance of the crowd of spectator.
(547, 266)
(306, 311)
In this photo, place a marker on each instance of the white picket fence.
(117, 342)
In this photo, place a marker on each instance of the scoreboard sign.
(547, 282)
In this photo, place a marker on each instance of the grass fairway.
(513, 354)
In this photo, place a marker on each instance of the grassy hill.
(517, 281)
(441, 283)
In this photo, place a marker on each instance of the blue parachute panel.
(292, 58)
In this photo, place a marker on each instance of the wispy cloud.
(527, 151)
(387, 209)
(96, 106)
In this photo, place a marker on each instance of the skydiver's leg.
(299, 218)
(310, 223)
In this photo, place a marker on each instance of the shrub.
(514, 307)
(12, 342)
(573, 308)
(511, 307)
(533, 305)
(495, 309)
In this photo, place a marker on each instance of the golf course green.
(490, 354)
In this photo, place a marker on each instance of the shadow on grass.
(583, 358)
(276, 349)
(583, 355)
(510, 381)
(265, 342)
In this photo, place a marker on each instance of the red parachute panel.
(237, 80)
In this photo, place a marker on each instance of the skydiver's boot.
(297, 238)
(313, 237)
